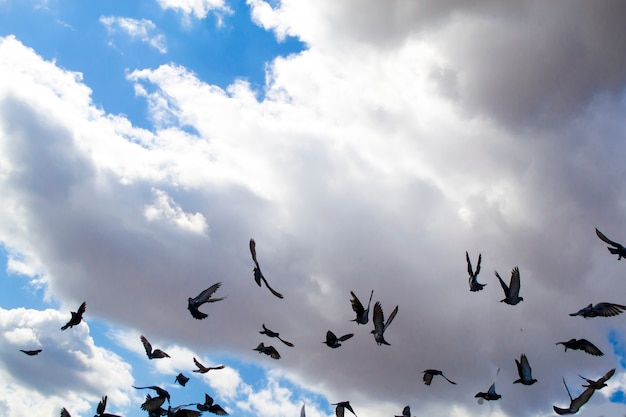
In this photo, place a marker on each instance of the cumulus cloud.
(143, 30)
(198, 9)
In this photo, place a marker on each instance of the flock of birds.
(153, 404)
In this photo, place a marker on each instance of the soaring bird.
(181, 379)
(473, 275)
(31, 352)
(65, 413)
(211, 407)
(406, 412)
(617, 248)
(380, 325)
(333, 341)
(582, 344)
(258, 275)
(361, 312)
(268, 350)
(77, 316)
(511, 292)
(524, 371)
(575, 403)
(600, 310)
(601, 382)
(270, 333)
(341, 406)
(102, 405)
(204, 369)
(429, 373)
(203, 297)
(152, 354)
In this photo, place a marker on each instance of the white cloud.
(164, 207)
(143, 30)
(196, 8)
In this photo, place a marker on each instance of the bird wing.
(204, 296)
(81, 310)
(273, 352)
(199, 365)
(102, 405)
(480, 257)
(208, 400)
(345, 337)
(406, 411)
(492, 389)
(378, 318)
(356, 305)
(273, 291)
(582, 311)
(503, 284)
(65, 413)
(253, 251)
(217, 409)
(561, 411)
(470, 271)
(428, 378)
(607, 376)
(581, 399)
(146, 344)
(391, 317)
(590, 348)
(302, 413)
(608, 309)
(339, 411)
(606, 239)
(330, 337)
(514, 286)
(446, 378)
(524, 369)
(195, 313)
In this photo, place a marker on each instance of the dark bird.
(379, 323)
(601, 382)
(153, 406)
(524, 371)
(429, 373)
(204, 369)
(490, 395)
(361, 312)
(77, 316)
(511, 292)
(575, 403)
(31, 352)
(581, 344)
(65, 413)
(600, 310)
(181, 379)
(333, 341)
(211, 407)
(406, 412)
(268, 350)
(102, 405)
(160, 393)
(181, 411)
(203, 297)
(152, 354)
(617, 248)
(270, 333)
(258, 275)
(341, 406)
(473, 275)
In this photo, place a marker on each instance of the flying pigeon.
(361, 312)
(473, 275)
(601, 382)
(77, 316)
(152, 354)
(268, 350)
(333, 341)
(102, 405)
(581, 344)
(65, 413)
(429, 373)
(524, 371)
(270, 333)
(181, 379)
(406, 412)
(379, 319)
(617, 248)
(204, 369)
(600, 310)
(341, 406)
(203, 297)
(211, 407)
(511, 292)
(154, 403)
(575, 403)
(31, 352)
(258, 275)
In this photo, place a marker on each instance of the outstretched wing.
(253, 252)
(146, 345)
(590, 348)
(470, 271)
(608, 309)
(205, 295)
(606, 239)
(378, 318)
(523, 368)
(102, 405)
(503, 284)
(272, 290)
(514, 286)
(82, 309)
(391, 317)
(356, 305)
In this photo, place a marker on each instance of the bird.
(333, 341)
(379, 323)
(406, 412)
(152, 354)
(203, 297)
(211, 407)
(617, 248)
(511, 292)
(77, 317)
(102, 405)
(361, 312)
(473, 275)
(153, 404)
(581, 344)
(429, 373)
(524, 371)
(31, 352)
(204, 369)
(600, 310)
(65, 413)
(341, 406)
(180, 411)
(268, 350)
(160, 391)
(258, 275)
(270, 333)
(600, 383)
(490, 395)
(181, 379)
(575, 403)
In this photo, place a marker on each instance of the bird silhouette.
(341, 407)
(473, 275)
(361, 312)
(102, 405)
(581, 344)
(270, 333)
(65, 413)
(601, 382)
(575, 403)
(181, 379)
(406, 412)
(152, 354)
(203, 297)
(258, 275)
(333, 341)
(600, 310)
(429, 373)
(379, 323)
(490, 395)
(204, 369)
(511, 292)
(617, 248)
(31, 352)
(524, 371)
(211, 407)
(268, 350)
(77, 317)
(153, 404)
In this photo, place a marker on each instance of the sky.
(364, 145)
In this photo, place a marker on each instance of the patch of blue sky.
(618, 344)
(17, 290)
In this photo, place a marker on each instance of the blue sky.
(364, 145)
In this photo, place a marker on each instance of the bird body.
(258, 275)
(473, 275)
(77, 317)
(332, 341)
(31, 352)
(524, 371)
(616, 249)
(429, 373)
(379, 323)
(362, 313)
(406, 412)
(204, 369)
(268, 350)
(204, 297)
(511, 292)
(600, 310)
(271, 333)
(152, 354)
(181, 379)
(582, 344)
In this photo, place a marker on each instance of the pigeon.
(270, 333)
(65, 413)
(581, 344)
(153, 404)
(302, 413)
(406, 412)
(180, 411)
(102, 405)
(511, 292)
(379, 319)
(211, 407)
(203, 297)
(617, 248)
(31, 352)
(600, 383)
(152, 354)
(600, 310)
(524, 371)
(429, 373)
(575, 403)
(361, 313)
(258, 275)
(204, 369)
(77, 317)
(341, 406)
(181, 379)
(268, 350)
(473, 275)
(333, 341)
